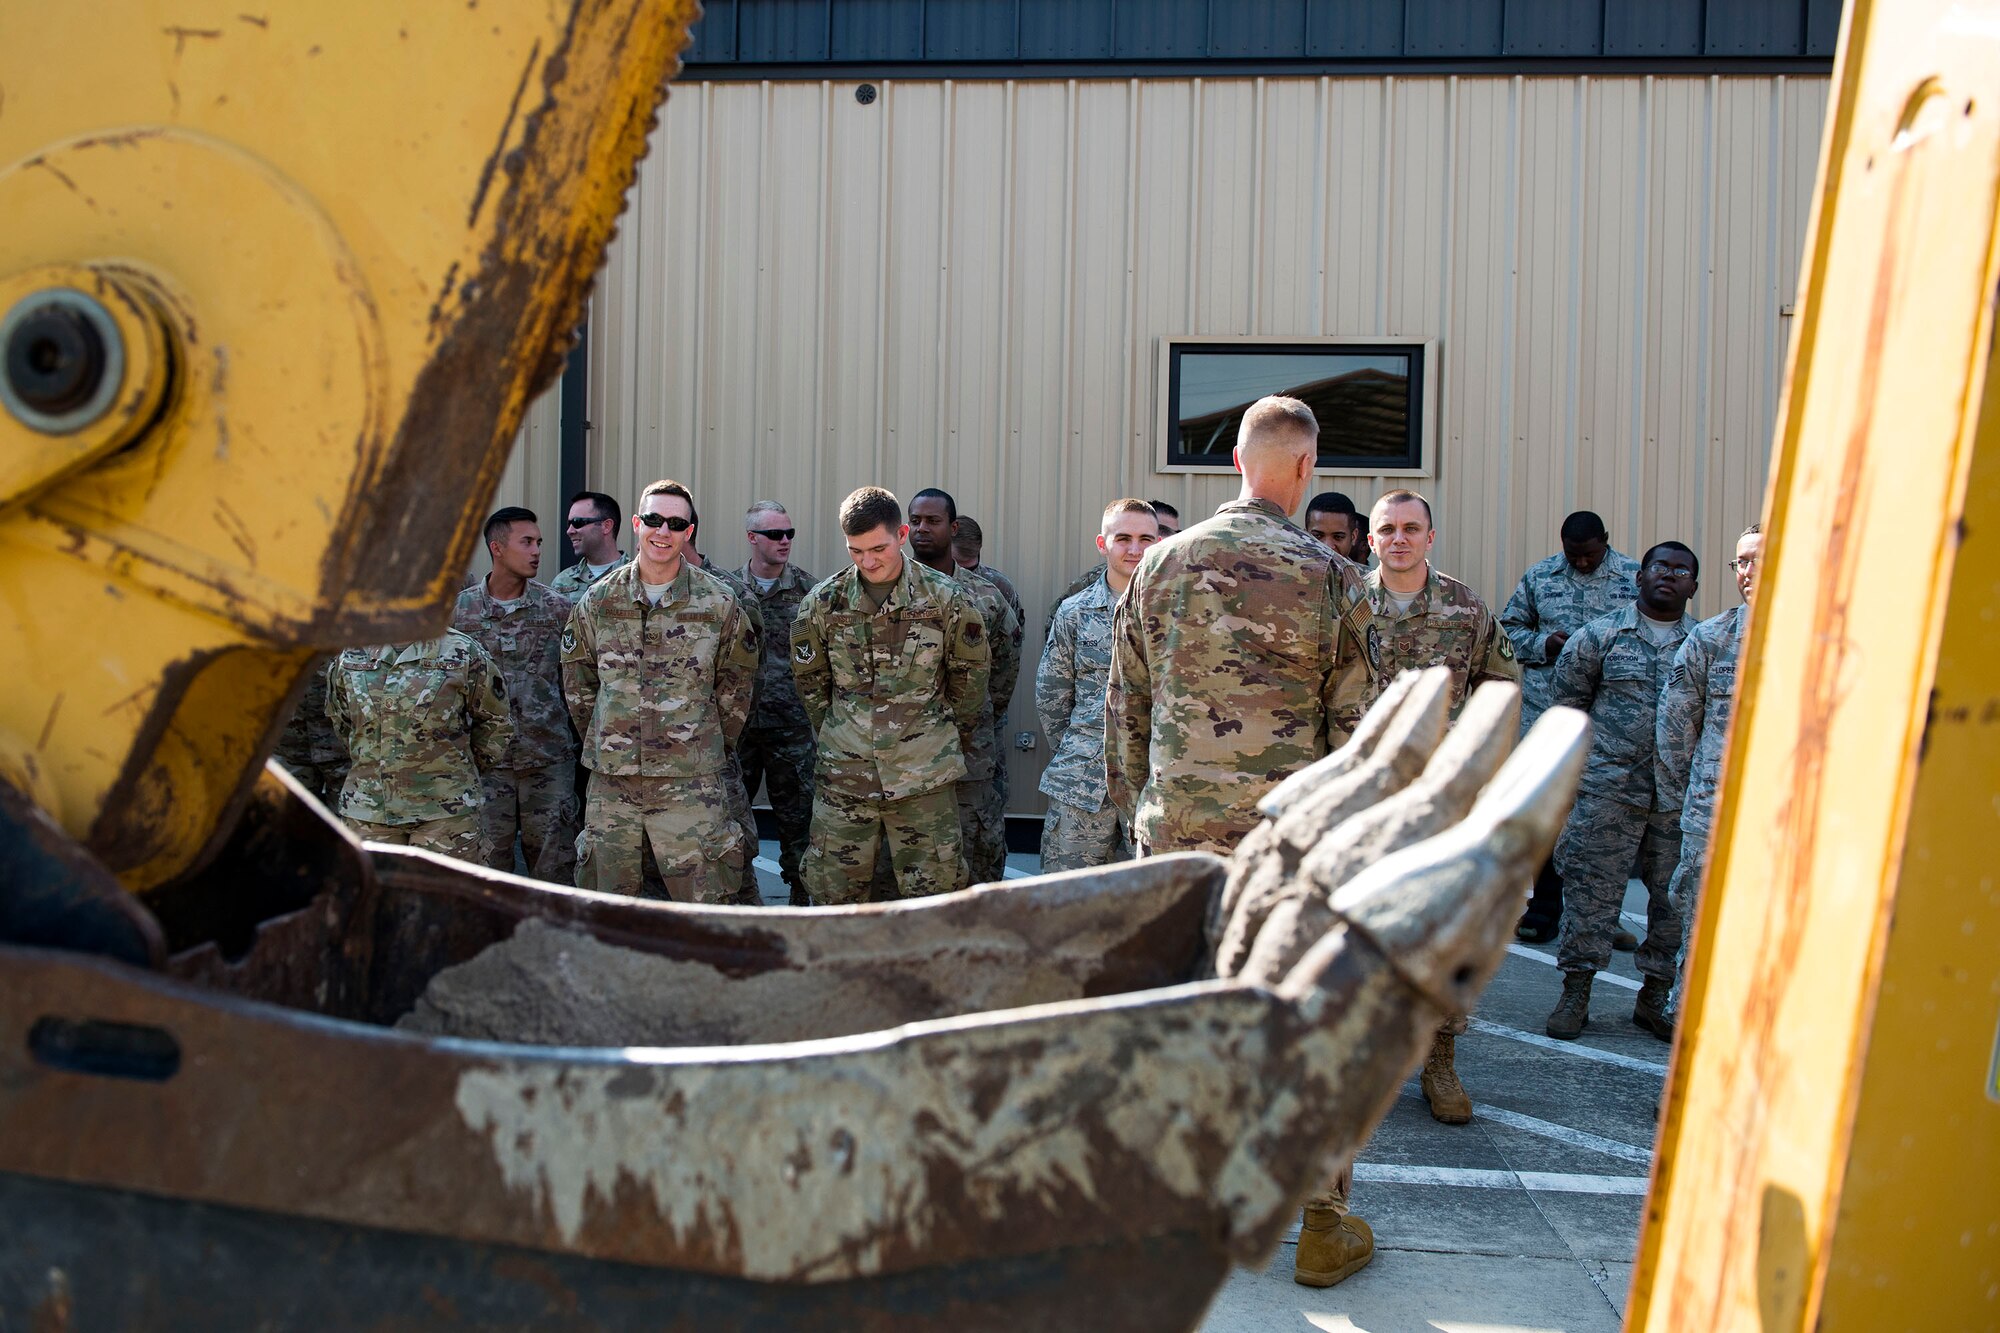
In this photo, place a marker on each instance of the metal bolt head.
(61, 360)
(54, 359)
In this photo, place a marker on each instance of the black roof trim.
(1565, 66)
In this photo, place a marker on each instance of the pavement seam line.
(1577, 1049)
(1536, 955)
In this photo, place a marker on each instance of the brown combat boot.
(1449, 1104)
(1572, 1011)
(1332, 1248)
(1650, 1012)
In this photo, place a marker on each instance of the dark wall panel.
(1161, 29)
(779, 31)
(1543, 28)
(882, 30)
(1341, 31)
(1138, 33)
(1670, 28)
(1272, 31)
(1462, 28)
(970, 30)
(1755, 28)
(1066, 29)
(714, 34)
(1822, 27)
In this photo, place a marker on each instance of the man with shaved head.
(1227, 661)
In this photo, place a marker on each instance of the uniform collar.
(1257, 505)
(1099, 593)
(791, 578)
(1378, 596)
(905, 592)
(677, 589)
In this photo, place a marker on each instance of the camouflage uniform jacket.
(658, 691)
(1069, 696)
(308, 738)
(1695, 706)
(1006, 587)
(1612, 671)
(526, 644)
(778, 707)
(422, 722)
(895, 695)
(571, 582)
(1227, 659)
(1003, 642)
(1076, 585)
(1446, 625)
(1552, 598)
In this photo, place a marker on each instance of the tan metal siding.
(964, 284)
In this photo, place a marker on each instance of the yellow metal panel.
(362, 231)
(1832, 1145)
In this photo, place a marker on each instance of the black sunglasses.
(586, 522)
(775, 534)
(674, 523)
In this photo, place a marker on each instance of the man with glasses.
(1612, 668)
(1695, 706)
(658, 663)
(776, 748)
(593, 535)
(1556, 597)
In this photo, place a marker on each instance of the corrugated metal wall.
(964, 284)
(534, 478)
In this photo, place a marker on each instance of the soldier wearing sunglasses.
(593, 535)
(777, 748)
(658, 663)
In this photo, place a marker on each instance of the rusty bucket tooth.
(1442, 910)
(1458, 769)
(1406, 725)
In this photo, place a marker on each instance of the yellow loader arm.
(262, 360)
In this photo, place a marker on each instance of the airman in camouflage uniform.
(1445, 624)
(659, 690)
(1227, 660)
(1226, 663)
(982, 803)
(1696, 704)
(891, 663)
(532, 791)
(966, 547)
(1083, 827)
(748, 894)
(1557, 597)
(777, 747)
(421, 721)
(1613, 668)
(981, 793)
(308, 749)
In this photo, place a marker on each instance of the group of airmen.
(1183, 675)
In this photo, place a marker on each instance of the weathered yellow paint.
(1831, 1154)
(358, 233)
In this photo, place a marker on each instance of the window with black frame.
(1368, 396)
